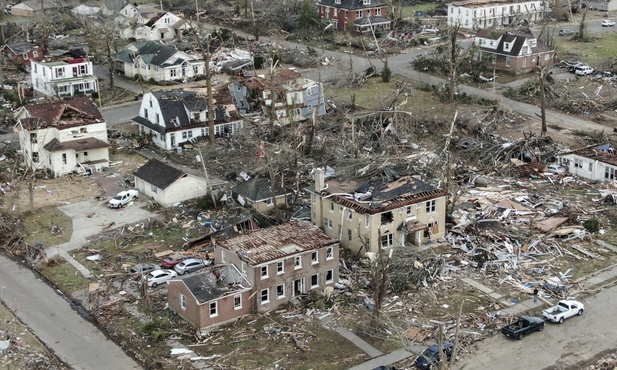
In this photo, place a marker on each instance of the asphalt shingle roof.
(352, 4)
(159, 174)
(257, 189)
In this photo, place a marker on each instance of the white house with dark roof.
(168, 185)
(152, 60)
(480, 14)
(379, 213)
(593, 162)
(258, 193)
(164, 26)
(171, 118)
(517, 51)
(362, 14)
(63, 137)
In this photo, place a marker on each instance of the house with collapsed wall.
(594, 162)
(176, 117)
(63, 137)
(479, 14)
(286, 96)
(264, 270)
(64, 77)
(23, 52)
(152, 60)
(516, 51)
(260, 194)
(163, 26)
(364, 15)
(388, 211)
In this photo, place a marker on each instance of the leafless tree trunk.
(453, 61)
(381, 283)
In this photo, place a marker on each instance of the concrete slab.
(604, 244)
(495, 295)
(81, 268)
(359, 342)
(481, 287)
(390, 358)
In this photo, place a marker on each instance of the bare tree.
(207, 52)
(454, 58)
(103, 41)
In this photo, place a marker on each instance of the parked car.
(122, 198)
(608, 23)
(556, 169)
(158, 277)
(113, 134)
(173, 260)
(563, 310)
(190, 265)
(524, 325)
(572, 67)
(141, 269)
(566, 32)
(430, 356)
(584, 70)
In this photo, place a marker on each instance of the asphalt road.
(566, 346)
(76, 341)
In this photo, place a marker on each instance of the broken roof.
(352, 4)
(258, 189)
(159, 174)
(517, 39)
(604, 153)
(277, 242)
(78, 145)
(206, 287)
(22, 47)
(379, 195)
(77, 111)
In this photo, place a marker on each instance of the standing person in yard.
(535, 294)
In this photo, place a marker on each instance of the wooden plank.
(163, 254)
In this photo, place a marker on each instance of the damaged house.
(598, 163)
(258, 194)
(63, 137)
(480, 14)
(363, 15)
(378, 213)
(286, 96)
(163, 26)
(517, 51)
(171, 118)
(264, 270)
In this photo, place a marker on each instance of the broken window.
(214, 309)
(182, 301)
(265, 296)
(280, 291)
(609, 173)
(387, 217)
(33, 138)
(329, 253)
(327, 223)
(237, 302)
(280, 268)
(314, 281)
(314, 258)
(408, 209)
(350, 215)
(264, 272)
(329, 276)
(349, 234)
(387, 240)
(297, 262)
(431, 206)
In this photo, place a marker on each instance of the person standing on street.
(535, 294)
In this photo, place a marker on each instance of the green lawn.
(601, 51)
(410, 11)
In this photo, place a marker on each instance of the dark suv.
(430, 356)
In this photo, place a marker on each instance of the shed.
(257, 193)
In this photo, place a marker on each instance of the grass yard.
(410, 11)
(65, 277)
(599, 53)
(48, 225)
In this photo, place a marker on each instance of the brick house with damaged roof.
(174, 117)
(382, 212)
(362, 15)
(63, 137)
(516, 51)
(264, 270)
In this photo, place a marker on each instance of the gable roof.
(158, 173)
(206, 287)
(78, 145)
(77, 111)
(22, 47)
(294, 237)
(517, 39)
(605, 153)
(36, 4)
(352, 4)
(258, 189)
(150, 52)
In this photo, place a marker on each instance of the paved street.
(75, 340)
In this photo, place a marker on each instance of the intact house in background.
(258, 194)
(378, 213)
(31, 8)
(362, 14)
(63, 137)
(137, 14)
(263, 270)
(480, 14)
(22, 53)
(594, 162)
(601, 5)
(172, 118)
(517, 51)
(168, 185)
(286, 96)
(151, 60)
(64, 78)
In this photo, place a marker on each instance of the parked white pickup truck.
(563, 310)
(122, 198)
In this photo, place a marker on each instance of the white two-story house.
(64, 78)
(378, 213)
(479, 14)
(63, 137)
(164, 26)
(171, 118)
(286, 96)
(152, 60)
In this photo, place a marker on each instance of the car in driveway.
(566, 32)
(123, 198)
(563, 310)
(584, 70)
(430, 357)
(608, 23)
(158, 277)
(141, 269)
(556, 169)
(173, 260)
(190, 265)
